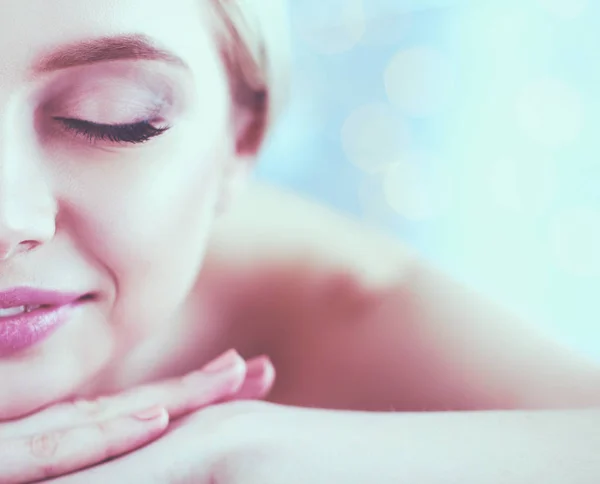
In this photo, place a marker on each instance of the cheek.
(147, 229)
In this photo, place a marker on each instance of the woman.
(127, 127)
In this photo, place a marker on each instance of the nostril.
(27, 245)
(21, 247)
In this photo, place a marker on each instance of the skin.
(363, 323)
(54, 209)
(350, 319)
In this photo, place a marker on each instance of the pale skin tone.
(184, 267)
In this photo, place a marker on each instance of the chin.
(48, 390)
(58, 371)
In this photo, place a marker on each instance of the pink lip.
(23, 330)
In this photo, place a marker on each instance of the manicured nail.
(226, 361)
(259, 379)
(258, 366)
(151, 413)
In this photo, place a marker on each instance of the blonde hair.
(253, 38)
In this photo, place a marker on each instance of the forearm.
(513, 447)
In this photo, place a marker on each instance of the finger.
(218, 380)
(260, 376)
(54, 453)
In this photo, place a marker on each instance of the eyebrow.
(104, 49)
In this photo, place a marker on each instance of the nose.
(27, 206)
(22, 227)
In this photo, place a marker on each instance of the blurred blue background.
(469, 129)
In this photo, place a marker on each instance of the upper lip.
(28, 296)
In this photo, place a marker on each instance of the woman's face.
(87, 209)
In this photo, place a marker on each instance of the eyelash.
(133, 133)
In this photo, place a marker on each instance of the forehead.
(30, 29)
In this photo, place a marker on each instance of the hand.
(244, 443)
(71, 436)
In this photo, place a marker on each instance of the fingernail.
(151, 413)
(226, 361)
(257, 366)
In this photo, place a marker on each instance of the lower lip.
(25, 330)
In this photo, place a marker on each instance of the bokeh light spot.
(522, 185)
(575, 240)
(414, 186)
(564, 9)
(331, 26)
(387, 22)
(373, 136)
(550, 113)
(419, 81)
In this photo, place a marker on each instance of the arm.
(258, 443)
(517, 447)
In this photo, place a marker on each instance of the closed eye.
(133, 133)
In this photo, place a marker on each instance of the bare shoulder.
(273, 226)
(353, 319)
(297, 265)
